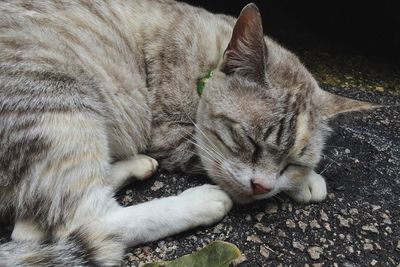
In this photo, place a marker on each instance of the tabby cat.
(88, 87)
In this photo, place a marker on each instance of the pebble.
(218, 229)
(370, 228)
(281, 233)
(353, 211)
(290, 223)
(327, 227)
(254, 238)
(343, 222)
(264, 252)
(263, 228)
(324, 216)
(347, 151)
(315, 252)
(259, 216)
(298, 245)
(247, 218)
(368, 247)
(374, 262)
(398, 245)
(157, 185)
(350, 249)
(314, 224)
(375, 207)
(271, 208)
(302, 226)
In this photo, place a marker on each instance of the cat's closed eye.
(257, 150)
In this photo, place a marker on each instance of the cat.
(88, 87)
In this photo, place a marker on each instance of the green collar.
(201, 83)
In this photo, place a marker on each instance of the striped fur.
(84, 84)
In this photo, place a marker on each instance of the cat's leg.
(149, 221)
(140, 167)
(308, 188)
(27, 230)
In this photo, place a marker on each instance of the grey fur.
(86, 83)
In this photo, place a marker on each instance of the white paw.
(207, 204)
(312, 189)
(141, 167)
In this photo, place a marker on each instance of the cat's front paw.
(312, 189)
(207, 204)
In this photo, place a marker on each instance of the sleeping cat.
(88, 87)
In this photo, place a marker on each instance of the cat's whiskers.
(209, 152)
(329, 158)
(326, 168)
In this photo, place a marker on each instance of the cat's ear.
(246, 52)
(333, 105)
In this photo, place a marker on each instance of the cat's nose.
(259, 188)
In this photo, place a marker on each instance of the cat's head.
(262, 118)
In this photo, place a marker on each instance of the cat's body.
(87, 83)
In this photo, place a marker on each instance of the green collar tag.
(201, 83)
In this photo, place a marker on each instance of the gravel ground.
(357, 225)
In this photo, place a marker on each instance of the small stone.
(370, 228)
(314, 224)
(247, 218)
(290, 207)
(317, 265)
(264, 252)
(324, 216)
(374, 262)
(271, 208)
(254, 238)
(398, 245)
(348, 237)
(259, 216)
(343, 222)
(353, 211)
(302, 226)
(281, 233)
(384, 216)
(379, 88)
(263, 228)
(218, 228)
(375, 207)
(350, 249)
(157, 186)
(387, 221)
(388, 229)
(327, 227)
(347, 151)
(368, 247)
(290, 223)
(341, 236)
(298, 245)
(315, 252)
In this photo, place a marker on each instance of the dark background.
(368, 28)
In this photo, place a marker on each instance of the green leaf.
(216, 254)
